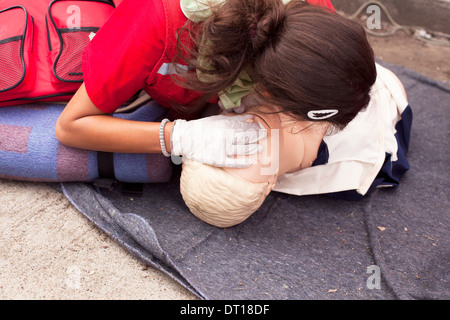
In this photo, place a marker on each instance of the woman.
(311, 63)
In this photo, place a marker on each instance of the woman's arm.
(82, 125)
(213, 140)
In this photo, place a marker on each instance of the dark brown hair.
(302, 57)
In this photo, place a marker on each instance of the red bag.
(41, 45)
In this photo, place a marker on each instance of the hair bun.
(265, 22)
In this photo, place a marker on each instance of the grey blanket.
(394, 244)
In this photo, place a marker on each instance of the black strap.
(105, 164)
(133, 189)
(107, 178)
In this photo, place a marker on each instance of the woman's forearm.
(106, 133)
(81, 125)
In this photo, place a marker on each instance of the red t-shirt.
(134, 50)
(322, 3)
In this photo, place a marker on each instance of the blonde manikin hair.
(218, 197)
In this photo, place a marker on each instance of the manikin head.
(225, 197)
(218, 197)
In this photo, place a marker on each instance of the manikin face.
(265, 167)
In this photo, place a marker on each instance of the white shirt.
(357, 153)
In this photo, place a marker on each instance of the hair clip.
(322, 114)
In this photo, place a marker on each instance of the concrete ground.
(48, 250)
(430, 60)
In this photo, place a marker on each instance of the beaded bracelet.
(161, 138)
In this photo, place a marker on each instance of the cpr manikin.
(224, 197)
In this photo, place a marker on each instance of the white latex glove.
(217, 139)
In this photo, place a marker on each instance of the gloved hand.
(217, 139)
